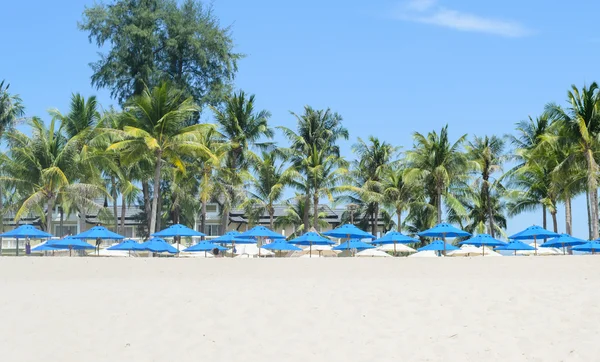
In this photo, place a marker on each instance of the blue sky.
(390, 68)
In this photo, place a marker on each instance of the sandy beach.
(465, 309)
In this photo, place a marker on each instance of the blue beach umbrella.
(438, 245)
(563, 241)
(71, 244)
(515, 245)
(233, 237)
(353, 244)
(205, 246)
(259, 232)
(483, 240)
(394, 237)
(281, 245)
(44, 247)
(125, 245)
(25, 231)
(533, 233)
(444, 230)
(99, 232)
(156, 245)
(177, 230)
(348, 231)
(311, 238)
(590, 247)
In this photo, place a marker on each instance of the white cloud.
(420, 5)
(428, 12)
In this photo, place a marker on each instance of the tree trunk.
(224, 219)
(159, 209)
(123, 210)
(554, 221)
(399, 215)
(568, 216)
(49, 213)
(544, 216)
(114, 197)
(62, 222)
(203, 217)
(587, 200)
(375, 225)
(593, 191)
(271, 217)
(82, 212)
(147, 203)
(488, 200)
(315, 212)
(155, 192)
(305, 218)
(439, 205)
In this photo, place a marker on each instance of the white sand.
(321, 309)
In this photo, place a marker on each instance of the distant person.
(27, 247)
(215, 252)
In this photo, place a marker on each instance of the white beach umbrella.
(541, 251)
(373, 253)
(118, 253)
(400, 248)
(425, 254)
(317, 251)
(472, 250)
(250, 249)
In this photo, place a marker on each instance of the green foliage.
(151, 41)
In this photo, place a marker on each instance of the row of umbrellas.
(348, 231)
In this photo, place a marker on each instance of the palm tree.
(41, 167)
(316, 131)
(374, 160)
(11, 108)
(488, 154)
(293, 216)
(208, 165)
(398, 193)
(325, 174)
(268, 186)
(581, 121)
(157, 124)
(439, 164)
(479, 207)
(79, 126)
(244, 127)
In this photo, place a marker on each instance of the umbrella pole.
(444, 241)
(535, 245)
(395, 248)
(515, 253)
(259, 245)
(232, 248)
(17, 246)
(310, 249)
(564, 251)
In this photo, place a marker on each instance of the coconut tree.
(581, 120)
(374, 159)
(157, 125)
(325, 175)
(316, 131)
(267, 186)
(439, 164)
(244, 127)
(41, 166)
(293, 216)
(488, 154)
(11, 110)
(398, 193)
